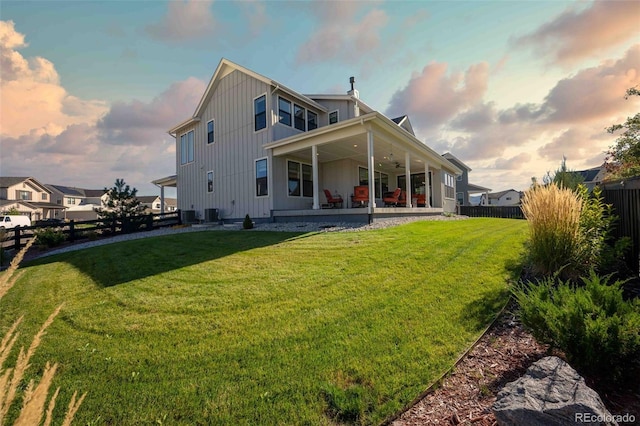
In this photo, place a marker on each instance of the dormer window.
(284, 111)
(312, 120)
(298, 117)
(333, 117)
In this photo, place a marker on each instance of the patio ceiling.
(348, 140)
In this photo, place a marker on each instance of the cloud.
(340, 35)
(32, 97)
(433, 96)
(577, 143)
(513, 163)
(184, 21)
(140, 123)
(578, 34)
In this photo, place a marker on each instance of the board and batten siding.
(231, 157)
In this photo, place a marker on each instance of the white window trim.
(337, 117)
(266, 113)
(255, 173)
(307, 120)
(301, 179)
(453, 182)
(214, 132)
(194, 147)
(212, 182)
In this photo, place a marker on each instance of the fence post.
(179, 212)
(72, 230)
(17, 238)
(150, 222)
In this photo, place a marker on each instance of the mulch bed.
(501, 356)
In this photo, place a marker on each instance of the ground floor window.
(262, 183)
(209, 181)
(300, 180)
(449, 185)
(381, 181)
(418, 183)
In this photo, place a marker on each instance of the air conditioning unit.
(210, 215)
(188, 216)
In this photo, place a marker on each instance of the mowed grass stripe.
(266, 327)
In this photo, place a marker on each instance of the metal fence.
(92, 229)
(504, 212)
(625, 198)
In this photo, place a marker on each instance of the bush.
(553, 215)
(49, 237)
(247, 223)
(598, 330)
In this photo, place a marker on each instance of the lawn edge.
(439, 380)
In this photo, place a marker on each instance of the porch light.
(355, 145)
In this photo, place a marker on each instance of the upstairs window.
(312, 120)
(186, 148)
(333, 117)
(260, 113)
(284, 111)
(210, 132)
(298, 117)
(449, 186)
(23, 195)
(45, 196)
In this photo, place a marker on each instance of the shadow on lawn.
(119, 263)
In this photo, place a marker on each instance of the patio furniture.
(392, 200)
(335, 201)
(360, 197)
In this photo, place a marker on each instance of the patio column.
(370, 165)
(161, 200)
(407, 167)
(427, 202)
(314, 167)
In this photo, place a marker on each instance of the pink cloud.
(576, 34)
(514, 163)
(434, 96)
(339, 38)
(139, 123)
(185, 20)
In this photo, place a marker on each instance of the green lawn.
(265, 327)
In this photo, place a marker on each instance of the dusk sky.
(89, 89)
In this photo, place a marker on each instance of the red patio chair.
(393, 199)
(333, 201)
(360, 197)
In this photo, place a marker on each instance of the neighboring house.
(28, 196)
(464, 189)
(254, 146)
(80, 203)
(510, 197)
(593, 177)
(153, 203)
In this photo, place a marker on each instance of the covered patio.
(368, 151)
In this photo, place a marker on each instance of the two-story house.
(29, 197)
(254, 146)
(464, 189)
(510, 197)
(80, 203)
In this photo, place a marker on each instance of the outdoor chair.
(360, 197)
(392, 200)
(333, 201)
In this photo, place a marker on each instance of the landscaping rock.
(550, 393)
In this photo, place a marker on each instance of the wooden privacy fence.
(504, 212)
(625, 198)
(93, 229)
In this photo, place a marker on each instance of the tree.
(121, 202)
(623, 158)
(563, 177)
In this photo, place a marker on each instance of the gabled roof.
(67, 190)
(501, 193)
(449, 156)
(148, 198)
(94, 192)
(403, 121)
(7, 181)
(225, 67)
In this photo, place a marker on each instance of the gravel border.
(283, 227)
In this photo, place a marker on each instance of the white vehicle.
(12, 221)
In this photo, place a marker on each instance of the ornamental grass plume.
(34, 396)
(553, 215)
